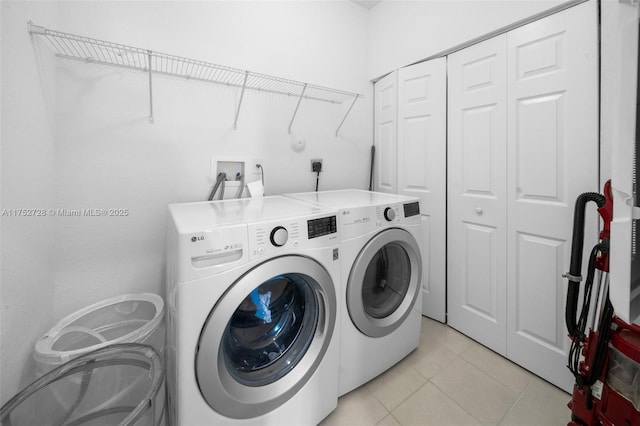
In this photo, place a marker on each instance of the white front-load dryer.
(381, 279)
(252, 312)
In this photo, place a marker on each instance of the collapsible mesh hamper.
(137, 400)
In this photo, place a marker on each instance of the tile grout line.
(429, 380)
(506, 388)
(456, 403)
(515, 402)
(409, 396)
(366, 387)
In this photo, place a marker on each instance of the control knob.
(389, 214)
(279, 236)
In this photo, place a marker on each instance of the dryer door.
(384, 282)
(266, 336)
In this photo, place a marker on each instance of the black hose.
(575, 267)
(373, 156)
(588, 286)
(579, 334)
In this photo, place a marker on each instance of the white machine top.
(350, 198)
(214, 236)
(199, 216)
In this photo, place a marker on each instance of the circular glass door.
(271, 330)
(384, 282)
(266, 336)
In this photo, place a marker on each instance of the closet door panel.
(479, 176)
(422, 143)
(539, 149)
(413, 177)
(476, 192)
(552, 158)
(539, 266)
(385, 134)
(480, 264)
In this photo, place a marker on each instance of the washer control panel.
(279, 236)
(322, 226)
(266, 237)
(270, 237)
(389, 214)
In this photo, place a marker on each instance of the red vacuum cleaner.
(605, 360)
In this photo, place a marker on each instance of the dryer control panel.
(397, 213)
(358, 220)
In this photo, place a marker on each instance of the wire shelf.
(75, 47)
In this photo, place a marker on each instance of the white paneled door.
(552, 158)
(477, 201)
(421, 169)
(523, 144)
(385, 134)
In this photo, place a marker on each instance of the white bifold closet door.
(513, 182)
(477, 198)
(411, 158)
(552, 158)
(385, 134)
(422, 171)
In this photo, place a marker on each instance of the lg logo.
(198, 238)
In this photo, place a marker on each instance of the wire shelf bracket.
(295, 112)
(345, 116)
(244, 86)
(149, 53)
(85, 49)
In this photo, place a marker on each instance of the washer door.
(266, 336)
(384, 282)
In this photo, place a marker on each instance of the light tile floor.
(453, 380)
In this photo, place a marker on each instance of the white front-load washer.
(252, 312)
(381, 278)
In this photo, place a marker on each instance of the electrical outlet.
(316, 165)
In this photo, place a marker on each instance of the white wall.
(27, 181)
(618, 70)
(99, 150)
(76, 135)
(406, 31)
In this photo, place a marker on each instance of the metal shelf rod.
(70, 46)
(206, 80)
